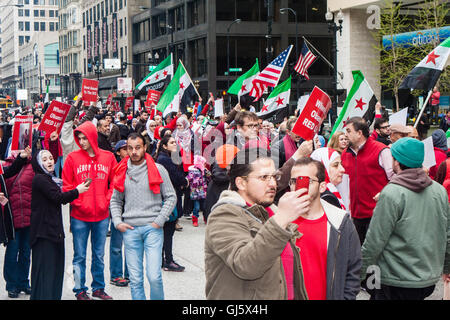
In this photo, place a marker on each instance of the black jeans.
(169, 230)
(397, 293)
(361, 225)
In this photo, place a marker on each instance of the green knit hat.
(409, 152)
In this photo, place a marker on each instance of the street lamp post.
(283, 11)
(333, 27)
(228, 56)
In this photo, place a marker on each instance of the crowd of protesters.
(367, 203)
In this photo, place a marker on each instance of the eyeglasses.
(251, 126)
(294, 180)
(266, 177)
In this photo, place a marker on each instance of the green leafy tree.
(396, 61)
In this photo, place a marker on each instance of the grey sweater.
(138, 205)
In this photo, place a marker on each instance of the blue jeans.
(80, 231)
(16, 267)
(198, 204)
(149, 240)
(115, 255)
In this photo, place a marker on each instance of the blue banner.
(416, 38)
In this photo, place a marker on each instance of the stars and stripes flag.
(270, 76)
(304, 61)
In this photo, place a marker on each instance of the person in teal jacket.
(408, 240)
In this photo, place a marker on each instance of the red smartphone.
(302, 182)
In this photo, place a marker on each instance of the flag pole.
(190, 78)
(324, 59)
(423, 108)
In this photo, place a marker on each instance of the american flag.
(304, 62)
(270, 76)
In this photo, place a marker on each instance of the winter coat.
(7, 232)
(219, 182)
(103, 142)
(343, 255)
(93, 205)
(19, 190)
(114, 135)
(409, 234)
(243, 248)
(46, 212)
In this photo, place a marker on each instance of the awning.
(108, 83)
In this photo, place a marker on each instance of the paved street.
(187, 285)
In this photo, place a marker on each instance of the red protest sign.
(153, 97)
(54, 117)
(313, 114)
(22, 132)
(128, 103)
(108, 101)
(89, 91)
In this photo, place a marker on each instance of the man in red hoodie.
(89, 213)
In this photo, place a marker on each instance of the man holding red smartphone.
(330, 251)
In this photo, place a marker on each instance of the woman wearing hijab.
(334, 172)
(46, 228)
(149, 136)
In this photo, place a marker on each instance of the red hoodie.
(93, 205)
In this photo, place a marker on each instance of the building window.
(27, 25)
(20, 12)
(21, 27)
(36, 26)
(51, 26)
(42, 26)
(27, 12)
(36, 13)
(51, 13)
(120, 28)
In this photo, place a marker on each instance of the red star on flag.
(279, 101)
(148, 80)
(360, 104)
(165, 73)
(345, 122)
(243, 88)
(264, 108)
(157, 76)
(432, 57)
(182, 85)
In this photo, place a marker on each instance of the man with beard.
(369, 166)
(103, 135)
(142, 202)
(382, 128)
(250, 248)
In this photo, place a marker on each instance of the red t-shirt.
(313, 254)
(287, 258)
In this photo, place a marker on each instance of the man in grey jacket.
(142, 202)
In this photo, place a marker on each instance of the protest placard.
(22, 132)
(89, 90)
(313, 114)
(54, 117)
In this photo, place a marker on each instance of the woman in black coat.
(6, 218)
(167, 147)
(46, 228)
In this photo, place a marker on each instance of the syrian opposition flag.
(158, 78)
(425, 75)
(359, 103)
(243, 84)
(181, 87)
(174, 106)
(278, 99)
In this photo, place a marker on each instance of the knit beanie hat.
(439, 139)
(409, 152)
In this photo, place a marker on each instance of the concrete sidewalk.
(188, 285)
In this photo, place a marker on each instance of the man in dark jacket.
(103, 134)
(329, 246)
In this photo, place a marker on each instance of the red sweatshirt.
(93, 205)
